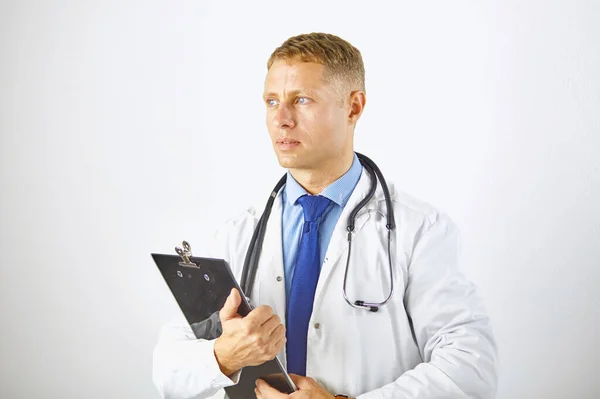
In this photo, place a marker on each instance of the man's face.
(307, 121)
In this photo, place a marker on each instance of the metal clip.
(185, 254)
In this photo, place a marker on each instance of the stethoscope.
(253, 253)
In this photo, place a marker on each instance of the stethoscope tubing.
(256, 242)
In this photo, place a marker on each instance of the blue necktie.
(304, 283)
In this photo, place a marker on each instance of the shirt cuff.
(220, 380)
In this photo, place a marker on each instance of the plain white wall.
(130, 126)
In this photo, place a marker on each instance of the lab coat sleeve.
(185, 367)
(450, 325)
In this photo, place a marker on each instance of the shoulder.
(415, 216)
(245, 218)
(232, 232)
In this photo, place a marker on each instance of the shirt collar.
(339, 191)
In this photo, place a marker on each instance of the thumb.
(229, 309)
(302, 382)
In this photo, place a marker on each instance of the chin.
(294, 160)
(287, 162)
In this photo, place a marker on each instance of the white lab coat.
(433, 338)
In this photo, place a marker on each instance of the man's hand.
(247, 341)
(307, 388)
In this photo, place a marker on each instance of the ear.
(357, 101)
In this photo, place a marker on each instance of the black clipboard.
(201, 287)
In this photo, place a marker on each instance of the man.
(432, 339)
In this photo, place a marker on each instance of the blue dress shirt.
(293, 216)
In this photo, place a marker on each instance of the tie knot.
(313, 206)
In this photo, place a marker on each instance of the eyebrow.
(291, 93)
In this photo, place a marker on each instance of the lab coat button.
(317, 325)
(279, 278)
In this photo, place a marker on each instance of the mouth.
(287, 141)
(286, 144)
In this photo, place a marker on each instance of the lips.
(287, 144)
(287, 141)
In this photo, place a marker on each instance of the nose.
(283, 117)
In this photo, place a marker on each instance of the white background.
(130, 126)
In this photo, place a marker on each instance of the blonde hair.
(342, 61)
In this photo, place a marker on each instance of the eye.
(271, 102)
(303, 100)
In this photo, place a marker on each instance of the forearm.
(460, 367)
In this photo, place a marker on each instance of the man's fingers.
(260, 314)
(272, 324)
(268, 391)
(281, 341)
(229, 310)
(302, 382)
(295, 377)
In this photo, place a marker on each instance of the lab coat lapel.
(339, 239)
(270, 264)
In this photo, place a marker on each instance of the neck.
(316, 180)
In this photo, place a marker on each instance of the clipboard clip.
(185, 254)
